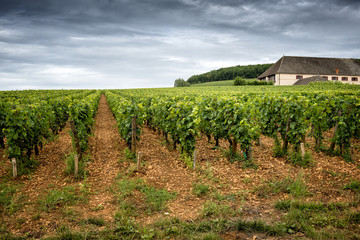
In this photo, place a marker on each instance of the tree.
(239, 81)
(181, 83)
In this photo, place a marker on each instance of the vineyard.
(258, 162)
(287, 117)
(28, 119)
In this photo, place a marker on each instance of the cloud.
(147, 43)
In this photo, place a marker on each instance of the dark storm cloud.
(145, 43)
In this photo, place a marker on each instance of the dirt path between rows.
(163, 170)
(106, 150)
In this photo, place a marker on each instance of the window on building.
(299, 77)
(325, 77)
(334, 78)
(354, 79)
(344, 78)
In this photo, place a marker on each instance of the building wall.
(290, 79)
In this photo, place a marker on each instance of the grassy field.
(217, 83)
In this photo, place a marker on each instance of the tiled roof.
(314, 65)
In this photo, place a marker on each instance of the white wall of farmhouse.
(290, 79)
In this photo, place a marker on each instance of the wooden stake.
(138, 161)
(249, 156)
(234, 147)
(302, 149)
(285, 144)
(13, 161)
(76, 164)
(133, 134)
(195, 156)
(76, 139)
(332, 145)
(258, 142)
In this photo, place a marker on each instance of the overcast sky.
(54, 44)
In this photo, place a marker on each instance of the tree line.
(230, 73)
